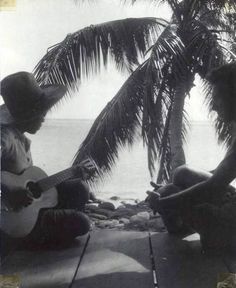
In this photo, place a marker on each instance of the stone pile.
(135, 216)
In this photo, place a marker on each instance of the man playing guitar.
(26, 104)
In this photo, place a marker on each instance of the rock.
(123, 212)
(109, 224)
(124, 221)
(107, 205)
(144, 215)
(91, 207)
(97, 210)
(114, 222)
(115, 198)
(140, 218)
(98, 216)
(127, 216)
(156, 224)
(127, 202)
(135, 219)
(105, 212)
(102, 224)
(143, 204)
(120, 207)
(119, 226)
(137, 224)
(92, 226)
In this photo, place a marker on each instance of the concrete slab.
(116, 259)
(181, 264)
(44, 268)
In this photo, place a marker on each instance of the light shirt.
(15, 150)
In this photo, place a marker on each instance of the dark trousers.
(214, 221)
(58, 225)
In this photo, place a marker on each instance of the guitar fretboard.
(51, 181)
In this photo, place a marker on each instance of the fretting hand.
(86, 169)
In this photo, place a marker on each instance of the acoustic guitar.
(42, 187)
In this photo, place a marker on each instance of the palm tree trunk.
(176, 126)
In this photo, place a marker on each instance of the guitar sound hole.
(34, 189)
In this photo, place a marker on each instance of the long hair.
(224, 75)
(223, 80)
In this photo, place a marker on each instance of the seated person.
(26, 104)
(201, 201)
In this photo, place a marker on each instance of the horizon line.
(83, 119)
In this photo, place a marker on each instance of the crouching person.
(201, 201)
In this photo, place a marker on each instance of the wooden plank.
(45, 268)
(181, 264)
(116, 259)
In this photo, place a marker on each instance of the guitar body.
(20, 223)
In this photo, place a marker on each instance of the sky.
(34, 25)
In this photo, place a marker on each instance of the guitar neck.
(54, 180)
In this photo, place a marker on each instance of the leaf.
(205, 51)
(85, 51)
(143, 101)
(167, 67)
(117, 124)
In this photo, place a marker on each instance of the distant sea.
(55, 145)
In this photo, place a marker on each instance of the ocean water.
(55, 145)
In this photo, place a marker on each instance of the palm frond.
(166, 67)
(213, 19)
(231, 54)
(136, 1)
(231, 20)
(84, 51)
(151, 1)
(216, 5)
(145, 94)
(224, 132)
(208, 54)
(116, 125)
(226, 5)
(203, 49)
(165, 151)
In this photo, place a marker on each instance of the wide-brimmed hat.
(25, 99)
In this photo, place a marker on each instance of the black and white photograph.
(118, 143)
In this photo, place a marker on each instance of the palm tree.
(199, 37)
